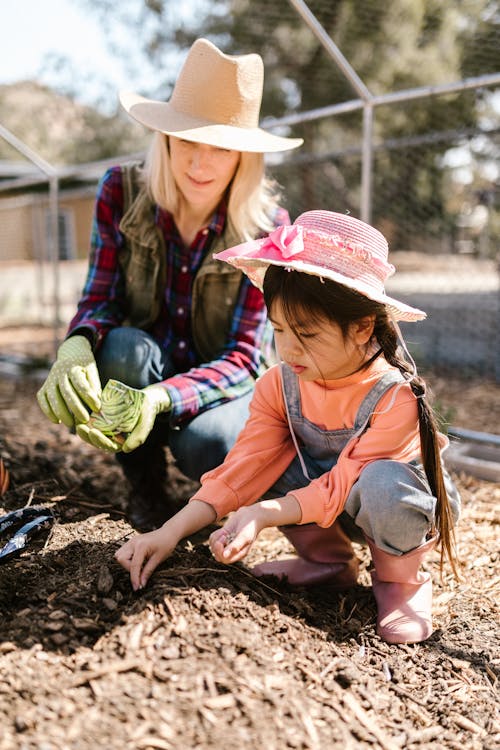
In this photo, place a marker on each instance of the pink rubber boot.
(325, 556)
(403, 594)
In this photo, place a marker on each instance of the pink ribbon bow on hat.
(279, 246)
(289, 240)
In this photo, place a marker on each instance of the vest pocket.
(141, 281)
(214, 310)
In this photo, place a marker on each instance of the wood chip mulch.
(208, 657)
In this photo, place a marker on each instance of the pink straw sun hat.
(330, 245)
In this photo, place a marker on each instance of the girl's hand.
(143, 553)
(234, 540)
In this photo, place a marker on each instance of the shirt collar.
(218, 220)
(215, 225)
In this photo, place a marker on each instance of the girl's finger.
(217, 550)
(214, 536)
(217, 542)
(232, 555)
(234, 543)
(217, 535)
(148, 568)
(136, 565)
(124, 555)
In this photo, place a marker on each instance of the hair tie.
(419, 389)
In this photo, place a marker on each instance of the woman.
(157, 311)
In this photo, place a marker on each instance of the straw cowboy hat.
(330, 245)
(216, 100)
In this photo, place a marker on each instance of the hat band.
(329, 252)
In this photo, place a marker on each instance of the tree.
(60, 130)
(392, 47)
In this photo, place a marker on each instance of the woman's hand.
(142, 554)
(234, 540)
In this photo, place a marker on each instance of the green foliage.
(62, 131)
(391, 46)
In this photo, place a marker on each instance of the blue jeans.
(133, 357)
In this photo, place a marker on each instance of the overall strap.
(291, 391)
(291, 397)
(370, 401)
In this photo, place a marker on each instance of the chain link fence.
(420, 162)
(443, 232)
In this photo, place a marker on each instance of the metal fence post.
(496, 364)
(367, 164)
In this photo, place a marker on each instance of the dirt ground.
(206, 657)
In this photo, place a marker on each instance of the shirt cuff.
(176, 409)
(222, 498)
(311, 505)
(88, 332)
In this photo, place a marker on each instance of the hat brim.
(256, 268)
(162, 117)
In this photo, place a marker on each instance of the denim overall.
(391, 502)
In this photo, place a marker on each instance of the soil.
(208, 657)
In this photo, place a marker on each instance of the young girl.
(340, 443)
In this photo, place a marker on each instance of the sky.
(30, 30)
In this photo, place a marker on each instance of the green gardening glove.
(126, 418)
(72, 385)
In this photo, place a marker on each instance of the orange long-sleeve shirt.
(265, 448)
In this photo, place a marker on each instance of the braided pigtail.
(387, 337)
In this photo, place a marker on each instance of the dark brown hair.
(305, 297)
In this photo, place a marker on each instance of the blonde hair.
(253, 197)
